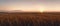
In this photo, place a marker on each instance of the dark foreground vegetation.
(29, 19)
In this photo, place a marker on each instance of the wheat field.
(29, 19)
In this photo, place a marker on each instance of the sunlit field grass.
(29, 19)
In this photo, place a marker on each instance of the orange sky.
(32, 6)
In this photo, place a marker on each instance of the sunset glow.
(41, 10)
(29, 6)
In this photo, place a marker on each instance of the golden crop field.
(29, 19)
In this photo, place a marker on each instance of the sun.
(41, 10)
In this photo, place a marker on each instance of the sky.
(30, 5)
